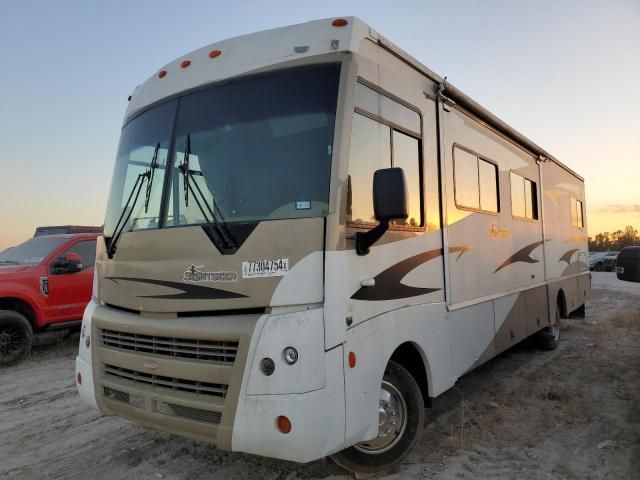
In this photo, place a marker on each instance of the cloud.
(620, 209)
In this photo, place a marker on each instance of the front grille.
(124, 397)
(213, 350)
(190, 413)
(158, 381)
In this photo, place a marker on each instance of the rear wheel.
(549, 338)
(16, 336)
(400, 419)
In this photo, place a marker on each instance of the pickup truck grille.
(213, 350)
(158, 381)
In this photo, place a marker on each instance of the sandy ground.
(569, 414)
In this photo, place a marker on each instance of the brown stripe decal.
(522, 255)
(189, 292)
(387, 283)
(461, 250)
(567, 255)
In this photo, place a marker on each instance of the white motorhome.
(309, 236)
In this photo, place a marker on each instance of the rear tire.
(16, 336)
(549, 338)
(401, 415)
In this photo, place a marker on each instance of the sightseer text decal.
(277, 267)
(195, 274)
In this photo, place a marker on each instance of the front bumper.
(160, 373)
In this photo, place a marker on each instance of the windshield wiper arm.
(10, 262)
(152, 169)
(219, 225)
(120, 225)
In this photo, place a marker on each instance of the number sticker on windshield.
(277, 267)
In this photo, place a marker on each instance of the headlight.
(290, 355)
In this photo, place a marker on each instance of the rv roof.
(249, 53)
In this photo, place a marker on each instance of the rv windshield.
(259, 149)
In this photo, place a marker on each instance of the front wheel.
(16, 336)
(400, 419)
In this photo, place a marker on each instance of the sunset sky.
(564, 73)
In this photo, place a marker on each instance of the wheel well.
(20, 306)
(410, 358)
(562, 303)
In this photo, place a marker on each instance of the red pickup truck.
(45, 283)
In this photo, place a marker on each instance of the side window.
(370, 151)
(406, 155)
(476, 182)
(524, 197)
(87, 251)
(577, 213)
(384, 134)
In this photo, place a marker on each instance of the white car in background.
(602, 261)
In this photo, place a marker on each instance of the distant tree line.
(615, 241)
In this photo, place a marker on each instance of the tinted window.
(32, 251)
(370, 151)
(577, 213)
(382, 106)
(87, 251)
(488, 181)
(466, 179)
(476, 182)
(137, 148)
(524, 197)
(260, 148)
(406, 155)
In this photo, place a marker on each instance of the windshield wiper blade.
(120, 225)
(10, 262)
(184, 168)
(217, 221)
(152, 169)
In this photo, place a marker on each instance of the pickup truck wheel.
(400, 419)
(16, 336)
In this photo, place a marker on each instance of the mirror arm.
(365, 239)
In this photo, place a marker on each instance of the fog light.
(267, 366)
(284, 424)
(290, 355)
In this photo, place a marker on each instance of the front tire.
(401, 416)
(16, 336)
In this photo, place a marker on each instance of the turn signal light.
(284, 424)
(339, 22)
(214, 53)
(352, 359)
(79, 378)
(162, 73)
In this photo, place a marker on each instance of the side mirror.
(389, 203)
(69, 263)
(628, 264)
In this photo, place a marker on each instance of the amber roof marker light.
(339, 22)
(162, 73)
(215, 53)
(185, 63)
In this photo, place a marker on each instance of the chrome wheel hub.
(392, 421)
